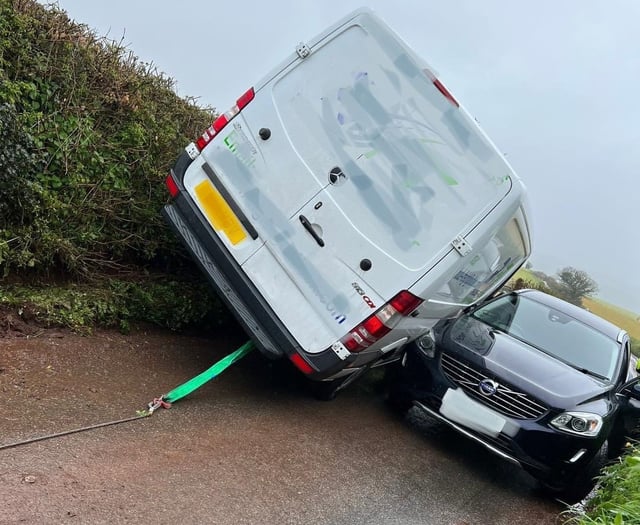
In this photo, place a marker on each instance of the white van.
(348, 202)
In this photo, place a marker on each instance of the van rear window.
(504, 252)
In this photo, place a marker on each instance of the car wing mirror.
(631, 389)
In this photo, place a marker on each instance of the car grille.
(506, 399)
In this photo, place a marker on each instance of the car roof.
(584, 316)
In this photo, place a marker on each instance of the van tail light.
(301, 364)
(172, 186)
(445, 92)
(441, 87)
(381, 322)
(224, 119)
(405, 302)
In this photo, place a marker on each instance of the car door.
(628, 394)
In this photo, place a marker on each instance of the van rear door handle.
(307, 226)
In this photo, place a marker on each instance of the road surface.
(251, 447)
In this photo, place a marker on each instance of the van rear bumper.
(238, 292)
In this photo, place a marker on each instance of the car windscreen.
(553, 332)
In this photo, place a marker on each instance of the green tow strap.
(162, 401)
(185, 389)
(193, 384)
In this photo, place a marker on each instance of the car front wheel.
(397, 398)
(576, 487)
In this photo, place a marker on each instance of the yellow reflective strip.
(219, 213)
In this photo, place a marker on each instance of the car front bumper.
(532, 444)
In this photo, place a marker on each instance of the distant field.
(619, 316)
(526, 275)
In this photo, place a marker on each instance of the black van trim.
(220, 282)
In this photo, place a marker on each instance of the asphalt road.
(251, 447)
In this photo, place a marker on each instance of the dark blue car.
(536, 380)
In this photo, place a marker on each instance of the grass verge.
(116, 303)
(617, 500)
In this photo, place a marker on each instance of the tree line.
(570, 284)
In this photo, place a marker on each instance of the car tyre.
(328, 390)
(396, 399)
(324, 390)
(582, 482)
(399, 404)
(617, 439)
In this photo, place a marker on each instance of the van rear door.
(404, 170)
(367, 175)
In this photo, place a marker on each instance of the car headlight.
(580, 423)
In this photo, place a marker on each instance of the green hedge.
(87, 136)
(97, 131)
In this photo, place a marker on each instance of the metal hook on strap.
(164, 401)
(158, 402)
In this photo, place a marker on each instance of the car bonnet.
(528, 369)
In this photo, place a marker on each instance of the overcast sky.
(554, 83)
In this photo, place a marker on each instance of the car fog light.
(427, 345)
(578, 455)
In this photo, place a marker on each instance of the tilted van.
(347, 202)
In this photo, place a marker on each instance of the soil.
(249, 447)
(17, 323)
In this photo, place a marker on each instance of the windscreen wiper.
(588, 372)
